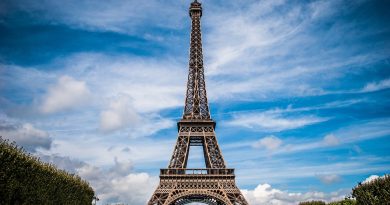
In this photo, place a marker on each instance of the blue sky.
(299, 90)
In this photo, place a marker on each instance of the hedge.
(25, 180)
(374, 192)
(312, 203)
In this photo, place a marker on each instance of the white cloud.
(329, 178)
(144, 81)
(25, 135)
(271, 121)
(106, 92)
(279, 113)
(119, 114)
(97, 150)
(371, 178)
(265, 194)
(331, 140)
(67, 93)
(375, 86)
(269, 142)
(119, 184)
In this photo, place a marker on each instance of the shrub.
(346, 201)
(24, 179)
(374, 192)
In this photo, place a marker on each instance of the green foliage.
(346, 201)
(312, 203)
(375, 192)
(26, 180)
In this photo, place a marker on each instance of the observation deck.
(197, 174)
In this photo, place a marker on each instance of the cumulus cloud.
(371, 178)
(273, 121)
(329, 179)
(25, 135)
(120, 184)
(119, 114)
(269, 143)
(265, 194)
(67, 93)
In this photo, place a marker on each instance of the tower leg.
(180, 154)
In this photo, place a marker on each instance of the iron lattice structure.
(214, 185)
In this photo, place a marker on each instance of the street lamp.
(96, 199)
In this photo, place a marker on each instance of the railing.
(197, 172)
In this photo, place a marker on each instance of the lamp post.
(96, 199)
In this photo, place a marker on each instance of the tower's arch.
(201, 196)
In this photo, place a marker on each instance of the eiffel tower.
(214, 185)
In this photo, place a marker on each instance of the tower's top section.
(196, 8)
(196, 105)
